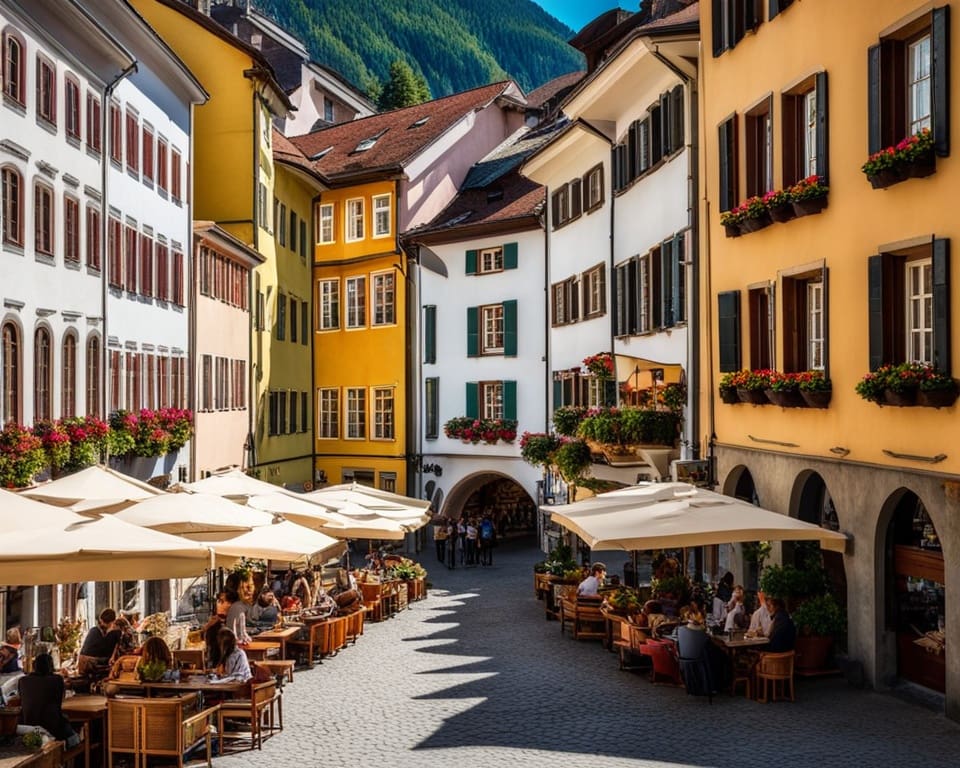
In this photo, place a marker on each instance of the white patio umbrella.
(657, 516)
(357, 500)
(93, 488)
(233, 484)
(23, 514)
(198, 516)
(98, 549)
(282, 541)
(319, 517)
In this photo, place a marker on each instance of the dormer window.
(421, 121)
(368, 143)
(321, 153)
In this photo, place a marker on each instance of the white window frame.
(918, 313)
(815, 337)
(644, 321)
(491, 399)
(355, 413)
(353, 224)
(810, 132)
(593, 296)
(490, 260)
(382, 215)
(491, 329)
(328, 413)
(328, 292)
(384, 413)
(919, 83)
(356, 301)
(560, 303)
(326, 233)
(384, 299)
(595, 388)
(594, 188)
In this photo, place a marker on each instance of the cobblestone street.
(475, 677)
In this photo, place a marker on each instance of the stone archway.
(513, 511)
(739, 483)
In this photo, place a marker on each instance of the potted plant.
(937, 389)
(809, 195)
(567, 418)
(819, 620)
(815, 388)
(622, 601)
(784, 390)
(916, 154)
(732, 221)
(572, 460)
(903, 384)
(536, 448)
(872, 386)
(600, 365)
(780, 205)
(21, 456)
(756, 215)
(674, 397)
(752, 386)
(728, 388)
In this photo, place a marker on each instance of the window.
(430, 333)
(46, 91)
(325, 228)
(148, 171)
(93, 376)
(176, 279)
(94, 252)
(803, 295)
(162, 152)
(732, 19)
(114, 257)
(163, 271)
(729, 163)
(133, 143)
(762, 327)
(384, 299)
(908, 87)
(10, 363)
(560, 206)
(657, 135)
(273, 405)
(43, 219)
(566, 301)
(728, 330)
(383, 413)
(388, 481)
(116, 134)
(304, 415)
(130, 241)
(758, 126)
(491, 400)
(490, 260)
(356, 413)
(94, 129)
(381, 215)
(431, 397)
(595, 291)
(593, 184)
(327, 110)
(909, 306)
(281, 220)
(668, 282)
(42, 375)
(492, 330)
(304, 323)
(303, 239)
(573, 387)
(328, 297)
(116, 373)
(356, 302)
(69, 385)
(175, 170)
(632, 297)
(354, 221)
(206, 383)
(11, 190)
(282, 411)
(492, 334)
(263, 206)
(293, 319)
(281, 317)
(328, 406)
(14, 66)
(72, 99)
(71, 229)
(146, 265)
(293, 231)
(805, 130)
(294, 403)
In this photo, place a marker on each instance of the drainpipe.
(189, 252)
(254, 370)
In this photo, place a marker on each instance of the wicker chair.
(775, 668)
(123, 728)
(169, 728)
(265, 700)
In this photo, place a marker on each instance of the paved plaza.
(474, 677)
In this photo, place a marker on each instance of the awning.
(199, 516)
(95, 487)
(282, 541)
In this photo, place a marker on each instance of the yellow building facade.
(360, 340)
(791, 90)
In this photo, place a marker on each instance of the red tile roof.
(396, 135)
(539, 96)
(687, 15)
(285, 151)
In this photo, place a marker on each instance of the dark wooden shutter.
(728, 330)
(656, 295)
(874, 131)
(941, 304)
(716, 18)
(666, 284)
(509, 255)
(823, 128)
(676, 118)
(940, 74)
(656, 135)
(728, 164)
(471, 262)
(573, 301)
(576, 198)
(678, 287)
(557, 392)
(510, 400)
(631, 292)
(618, 315)
(773, 9)
(633, 150)
(555, 210)
(510, 328)
(875, 310)
(666, 137)
(602, 277)
(825, 279)
(430, 334)
(473, 331)
(471, 408)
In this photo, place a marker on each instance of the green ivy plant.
(820, 615)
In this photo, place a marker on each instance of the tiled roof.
(539, 96)
(285, 151)
(392, 137)
(509, 155)
(687, 15)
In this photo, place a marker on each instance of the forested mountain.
(455, 44)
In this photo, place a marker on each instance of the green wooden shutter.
(471, 262)
(940, 45)
(728, 330)
(430, 334)
(823, 128)
(509, 255)
(716, 18)
(875, 310)
(510, 328)
(473, 331)
(557, 393)
(941, 304)
(472, 406)
(679, 279)
(510, 400)
(874, 134)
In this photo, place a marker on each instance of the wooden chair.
(630, 644)
(172, 727)
(123, 729)
(588, 621)
(265, 700)
(190, 657)
(775, 668)
(309, 645)
(371, 600)
(355, 625)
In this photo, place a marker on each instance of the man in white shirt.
(761, 620)
(590, 586)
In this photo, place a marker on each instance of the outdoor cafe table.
(18, 756)
(88, 709)
(736, 645)
(279, 635)
(186, 684)
(258, 650)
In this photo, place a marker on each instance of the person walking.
(462, 539)
(440, 538)
(451, 545)
(472, 541)
(487, 540)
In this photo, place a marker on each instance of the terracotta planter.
(729, 395)
(785, 398)
(809, 207)
(937, 398)
(732, 230)
(922, 166)
(812, 651)
(752, 396)
(783, 212)
(903, 399)
(886, 178)
(756, 224)
(817, 399)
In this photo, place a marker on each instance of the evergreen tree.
(403, 88)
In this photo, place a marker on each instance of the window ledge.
(13, 104)
(45, 258)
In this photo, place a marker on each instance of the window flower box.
(756, 215)
(809, 196)
(732, 222)
(780, 205)
(909, 384)
(912, 157)
(729, 395)
(472, 431)
(815, 388)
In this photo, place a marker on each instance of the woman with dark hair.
(211, 630)
(233, 661)
(41, 701)
(236, 616)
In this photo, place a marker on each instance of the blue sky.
(576, 14)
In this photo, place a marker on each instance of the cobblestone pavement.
(474, 676)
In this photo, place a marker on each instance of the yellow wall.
(808, 37)
(374, 356)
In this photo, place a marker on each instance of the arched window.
(11, 214)
(93, 376)
(10, 361)
(69, 407)
(42, 382)
(14, 67)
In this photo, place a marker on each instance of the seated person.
(266, 609)
(783, 632)
(725, 587)
(10, 670)
(127, 644)
(692, 612)
(236, 615)
(155, 649)
(233, 661)
(736, 611)
(653, 615)
(41, 701)
(99, 644)
(211, 631)
(761, 620)
(590, 586)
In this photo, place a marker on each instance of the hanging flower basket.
(817, 399)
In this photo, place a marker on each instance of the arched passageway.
(500, 496)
